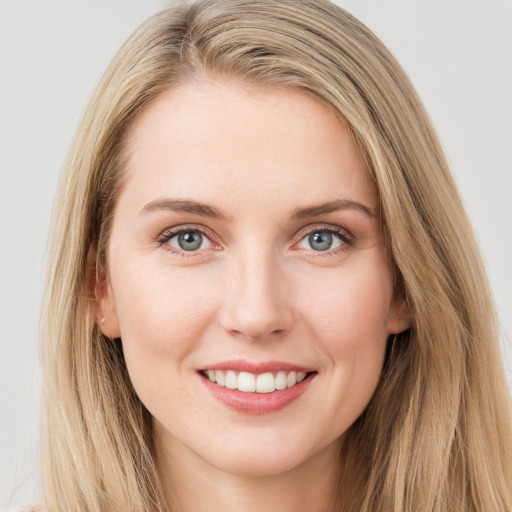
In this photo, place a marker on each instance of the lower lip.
(257, 403)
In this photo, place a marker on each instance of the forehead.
(225, 140)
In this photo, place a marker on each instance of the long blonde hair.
(437, 434)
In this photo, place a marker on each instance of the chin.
(264, 456)
(260, 466)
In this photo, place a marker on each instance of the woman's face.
(246, 250)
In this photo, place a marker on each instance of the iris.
(190, 240)
(320, 241)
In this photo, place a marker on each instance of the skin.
(256, 290)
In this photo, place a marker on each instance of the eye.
(324, 239)
(189, 240)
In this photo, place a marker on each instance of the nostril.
(256, 307)
(262, 337)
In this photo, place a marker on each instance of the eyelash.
(344, 236)
(347, 240)
(164, 238)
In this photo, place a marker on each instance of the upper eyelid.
(307, 230)
(171, 232)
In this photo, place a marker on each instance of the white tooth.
(291, 380)
(301, 376)
(231, 380)
(211, 375)
(246, 382)
(219, 377)
(281, 380)
(265, 383)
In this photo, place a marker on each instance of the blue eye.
(322, 240)
(189, 240)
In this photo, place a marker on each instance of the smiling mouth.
(247, 382)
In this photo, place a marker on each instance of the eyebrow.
(204, 210)
(332, 206)
(180, 205)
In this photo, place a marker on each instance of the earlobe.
(400, 318)
(107, 321)
(104, 311)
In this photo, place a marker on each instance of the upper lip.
(257, 368)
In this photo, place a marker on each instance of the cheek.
(352, 307)
(349, 321)
(162, 316)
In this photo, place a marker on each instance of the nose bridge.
(257, 305)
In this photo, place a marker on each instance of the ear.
(400, 317)
(103, 305)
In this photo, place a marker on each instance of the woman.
(263, 290)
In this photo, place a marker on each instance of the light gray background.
(458, 53)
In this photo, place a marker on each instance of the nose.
(258, 303)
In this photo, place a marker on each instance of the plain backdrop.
(458, 54)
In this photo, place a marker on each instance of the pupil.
(320, 241)
(190, 241)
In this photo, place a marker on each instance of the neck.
(191, 484)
